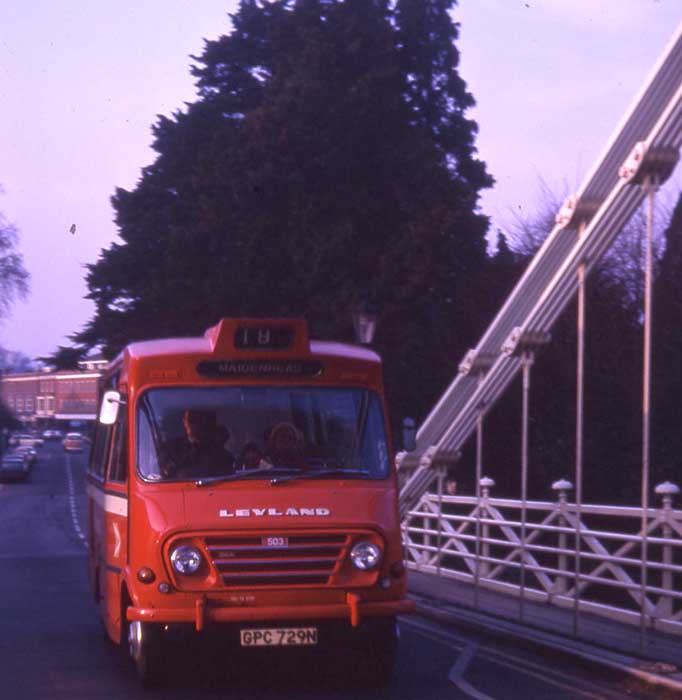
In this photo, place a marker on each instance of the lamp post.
(364, 323)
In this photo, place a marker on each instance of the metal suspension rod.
(649, 186)
(526, 363)
(579, 423)
(479, 476)
(440, 519)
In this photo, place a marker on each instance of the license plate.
(279, 637)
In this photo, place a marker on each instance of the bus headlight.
(186, 559)
(365, 556)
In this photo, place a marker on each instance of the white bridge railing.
(589, 560)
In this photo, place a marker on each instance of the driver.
(200, 452)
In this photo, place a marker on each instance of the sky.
(81, 84)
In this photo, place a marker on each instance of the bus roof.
(200, 346)
(232, 338)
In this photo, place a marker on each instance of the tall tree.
(12, 361)
(13, 275)
(435, 92)
(64, 357)
(305, 179)
(667, 349)
(7, 420)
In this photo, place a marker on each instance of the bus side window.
(118, 461)
(146, 454)
(100, 450)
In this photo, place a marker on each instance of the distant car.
(14, 467)
(30, 440)
(29, 453)
(73, 442)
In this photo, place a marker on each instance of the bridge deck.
(606, 634)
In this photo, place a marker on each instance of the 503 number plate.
(279, 637)
(275, 541)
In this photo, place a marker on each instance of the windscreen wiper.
(244, 474)
(319, 474)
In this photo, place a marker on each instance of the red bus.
(244, 482)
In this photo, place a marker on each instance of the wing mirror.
(409, 435)
(108, 411)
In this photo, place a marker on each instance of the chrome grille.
(307, 559)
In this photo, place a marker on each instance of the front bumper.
(206, 612)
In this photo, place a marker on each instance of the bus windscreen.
(211, 433)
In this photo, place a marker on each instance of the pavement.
(612, 646)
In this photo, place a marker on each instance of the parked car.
(73, 442)
(14, 467)
(52, 434)
(28, 452)
(30, 440)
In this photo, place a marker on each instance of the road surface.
(52, 646)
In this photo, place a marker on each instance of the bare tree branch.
(13, 275)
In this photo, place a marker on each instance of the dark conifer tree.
(667, 350)
(311, 174)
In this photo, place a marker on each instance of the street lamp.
(364, 323)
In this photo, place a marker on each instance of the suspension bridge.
(610, 575)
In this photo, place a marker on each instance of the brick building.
(46, 398)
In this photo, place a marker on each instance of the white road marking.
(118, 505)
(72, 500)
(467, 653)
(558, 678)
(456, 674)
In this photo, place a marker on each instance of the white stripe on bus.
(111, 504)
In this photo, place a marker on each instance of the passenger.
(285, 446)
(201, 451)
(251, 457)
